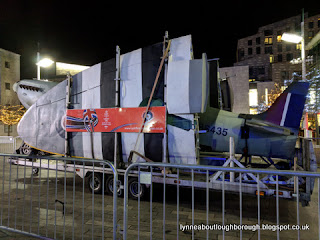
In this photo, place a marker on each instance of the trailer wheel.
(109, 186)
(95, 182)
(25, 149)
(35, 171)
(133, 185)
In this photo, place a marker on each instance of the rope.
(151, 95)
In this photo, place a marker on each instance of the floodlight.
(45, 62)
(289, 37)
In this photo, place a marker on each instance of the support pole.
(196, 123)
(165, 135)
(68, 90)
(304, 71)
(231, 149)
(117, 104)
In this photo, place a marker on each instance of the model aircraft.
(271, 134)
(186, 87)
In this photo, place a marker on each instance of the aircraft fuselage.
(217, 126)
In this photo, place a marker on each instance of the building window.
(268, 50)
(310, 34)
(258, 50)
(240, 53)
(268, 40)
(279, 38)
(254, 72)
(288, 47)
(249, 51)
(7, 64)
(258, 39)
(249, 42)
(310, 24)
(298, 46)
(279, 47)
(289, 56)
(280, 58)
(7, 86)
(271, 57)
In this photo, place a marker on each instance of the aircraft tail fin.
(287, 110)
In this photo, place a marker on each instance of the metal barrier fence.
(43, 197)
(203, 214)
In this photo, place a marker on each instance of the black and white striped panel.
(95, 88)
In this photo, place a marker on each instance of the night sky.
(88, 32)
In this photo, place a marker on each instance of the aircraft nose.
(15, 86)
(41, 126)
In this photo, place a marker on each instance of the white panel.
(91, 99)
(131, 58)
(180, 48)
(131, 79)
(91, 77)
(285, 110)
(178, 87)
(131, 96)
(181, 144)
(198, 85)
(186, 86)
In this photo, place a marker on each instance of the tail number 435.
(218, 130)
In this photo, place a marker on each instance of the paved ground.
(35, 204)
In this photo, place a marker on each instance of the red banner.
(116, 120)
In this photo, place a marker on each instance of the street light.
(289, 37)
(294, 38)
(45, 62)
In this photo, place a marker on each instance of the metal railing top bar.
(227, 169)
(60, 158)
(24, 233)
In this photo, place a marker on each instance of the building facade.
(272, 60)
(9, 74)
